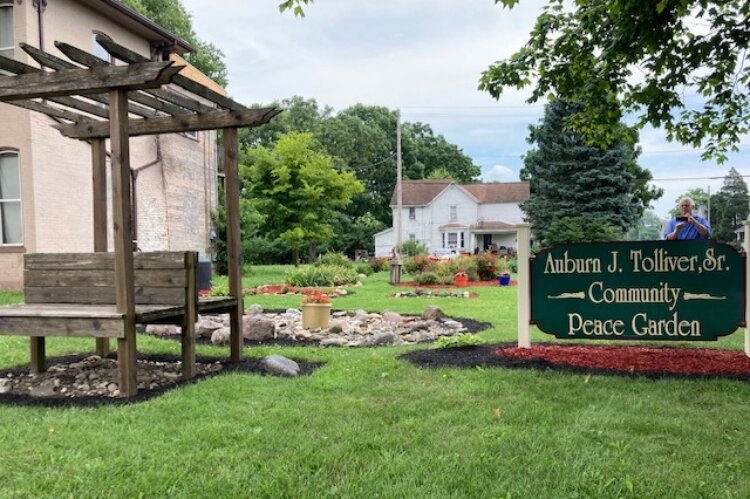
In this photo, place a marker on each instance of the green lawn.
(368, 425)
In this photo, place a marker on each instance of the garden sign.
(639, 290)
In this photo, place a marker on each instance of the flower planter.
(461, 281)
(316, 315)
(503, 280)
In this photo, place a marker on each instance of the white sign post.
(523, 234)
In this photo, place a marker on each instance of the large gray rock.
(205, 327)
(220, 336)
(382, 339)
(432, 313)
(258, 328)
(163, 329)
(276, 364)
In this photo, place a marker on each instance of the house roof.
(129, 18)
(422, 192)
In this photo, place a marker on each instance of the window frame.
(412, 213)
(454, 238)
(10, 50)
(453, 212)
(18, 201)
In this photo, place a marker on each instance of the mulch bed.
(284, 289)
(626, 360)
(247, 365)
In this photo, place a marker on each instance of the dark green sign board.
(639, 290)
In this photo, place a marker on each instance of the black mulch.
(247, 365)
(483, 356)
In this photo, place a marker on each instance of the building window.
(97, 49)
(412, 213)
(412, 237)
(191, 134)
(452, 239)
(462, 240)
(11, 231)
(6, 31)
(443, 239)
(454, 212)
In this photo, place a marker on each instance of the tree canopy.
(643, 57)
(171, 15)
(571, 179)
(729, 207)
(296, 190)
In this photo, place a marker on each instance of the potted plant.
(504, 279)
(316, 311)
(461, 279)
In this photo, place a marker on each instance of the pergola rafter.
(94, 100)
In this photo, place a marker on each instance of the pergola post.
(99, 190)
(234, 263)
(123, 239)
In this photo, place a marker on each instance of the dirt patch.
(626, 360)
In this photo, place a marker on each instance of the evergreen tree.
(729, 207)
(572, 179)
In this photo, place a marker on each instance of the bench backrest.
(161, 278)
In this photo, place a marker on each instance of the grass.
(369, 425)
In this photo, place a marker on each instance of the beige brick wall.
(174, 196)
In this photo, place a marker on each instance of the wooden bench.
(73, 294)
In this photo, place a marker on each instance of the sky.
(425, 58)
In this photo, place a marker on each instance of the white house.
(442, 214)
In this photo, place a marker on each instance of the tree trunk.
(312, 252)
(295, 256)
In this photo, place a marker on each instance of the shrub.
(322, 275)
(459, 340)
(427, 278)
(219, 285)
(363, 268)
(486, 265)
(331, 258)
(513, 265)
(412, 248)
(579, 230)
(378, 264)
(418, 264)
(446, 279)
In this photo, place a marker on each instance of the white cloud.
(499, 173)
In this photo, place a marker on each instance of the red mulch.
(283, 289)
(625, 360)
(472, 284)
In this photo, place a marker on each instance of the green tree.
(643, 57)
(697, 194)
(171, 15)
(579, 230)
(297, 190)
(572, 179)
(648, 228)
(729, 207)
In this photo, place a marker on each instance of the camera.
(681, 219)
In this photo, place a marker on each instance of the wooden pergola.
(94, 100)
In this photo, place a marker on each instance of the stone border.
(248, 365)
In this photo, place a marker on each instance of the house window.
(412, 213)
(6, 31)
(412, 237)
(462, 240)
(11, 231)
(453, 212)
(191, 134)
(97, 49)
(452, 239)
(443, 239)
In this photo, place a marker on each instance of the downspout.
(134, 193)
(40, 6)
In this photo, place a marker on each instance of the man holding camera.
(687, 226)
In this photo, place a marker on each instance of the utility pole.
(399, 198)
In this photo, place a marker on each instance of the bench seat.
(100, 321)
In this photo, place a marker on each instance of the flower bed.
(434, 293)
(284, 289)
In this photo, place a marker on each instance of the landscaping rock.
(277, 364)
(221, 336)
(394, 317)
(432, 313)
(254, 309)
(258, 328)
(206, 326)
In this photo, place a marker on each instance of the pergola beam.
(173, 124)
(86, 81)
(127, 55)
